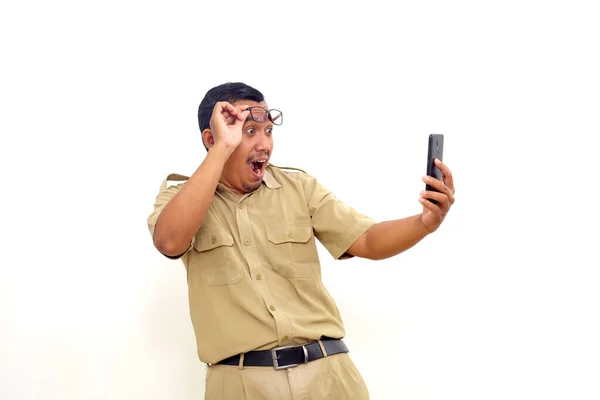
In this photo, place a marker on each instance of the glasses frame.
(267, 114)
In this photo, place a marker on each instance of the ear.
(207, 138)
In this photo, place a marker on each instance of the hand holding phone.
(435, 150)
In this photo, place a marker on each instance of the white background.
(98, 105)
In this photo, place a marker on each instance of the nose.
(264, 142)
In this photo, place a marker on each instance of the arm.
(389, 238)
(182, 216)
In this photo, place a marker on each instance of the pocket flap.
(289, 231)
(211, 237)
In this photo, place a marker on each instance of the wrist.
(221, 151)
(423, 227)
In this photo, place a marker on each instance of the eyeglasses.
(259, 114)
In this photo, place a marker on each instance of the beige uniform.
(254, 282)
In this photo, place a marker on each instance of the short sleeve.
(165, 195)
(336, 225)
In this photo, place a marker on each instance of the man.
(246, 230)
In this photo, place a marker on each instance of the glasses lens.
(258, 114)
(276, 117)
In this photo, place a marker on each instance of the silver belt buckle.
(276, 363)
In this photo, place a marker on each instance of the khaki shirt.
(253, 271)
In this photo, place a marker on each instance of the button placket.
(246, 237)
(249, 246)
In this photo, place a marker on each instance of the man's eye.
(250, 131)
(269, 131)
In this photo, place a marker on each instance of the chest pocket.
(292, 248)
(213, 259)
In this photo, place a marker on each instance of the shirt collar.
(270, 180)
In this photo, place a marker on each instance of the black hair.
(230, 92)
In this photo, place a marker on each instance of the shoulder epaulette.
(173, 177)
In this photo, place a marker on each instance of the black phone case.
(435, 150)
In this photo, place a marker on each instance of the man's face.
(245, 168)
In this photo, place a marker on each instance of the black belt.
(288, 356)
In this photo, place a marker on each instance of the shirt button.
(258, 277)
(213, 240)
(272, 308)
(247, 242)
(241, 206)
(290, 234)
(284, 339)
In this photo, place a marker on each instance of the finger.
(429, 205)
(450, 194)
(435, 183)
(442, 199)
(448, 179)
(440, 187)
(225, 107)
(241, 118)
(230, 119)
(221, 106)
(227, 111)
(225, 116)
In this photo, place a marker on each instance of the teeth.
(257, 166)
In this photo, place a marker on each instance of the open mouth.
(258, 168)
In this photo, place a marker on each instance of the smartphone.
(435, 150)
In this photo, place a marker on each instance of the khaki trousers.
(330, 378)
